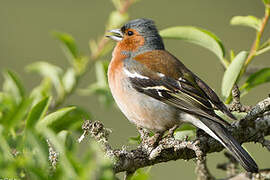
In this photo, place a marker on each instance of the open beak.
(117, 35)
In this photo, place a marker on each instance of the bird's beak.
(117, 36)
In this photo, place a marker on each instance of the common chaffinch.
(156, 91)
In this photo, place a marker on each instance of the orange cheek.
(132, 43)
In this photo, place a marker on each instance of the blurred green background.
(25, 37)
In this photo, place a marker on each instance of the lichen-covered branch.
(236, 104)
(53, 155)
(202, 170)
(252, 128)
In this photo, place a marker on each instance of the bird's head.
(139, 35)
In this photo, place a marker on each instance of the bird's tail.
(220, 133)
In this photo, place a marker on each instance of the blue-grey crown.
(146, 28)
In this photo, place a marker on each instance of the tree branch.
(236, 104)
(202, 170)
(252, 128)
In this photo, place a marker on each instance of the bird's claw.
(154, 140)
(171, 131)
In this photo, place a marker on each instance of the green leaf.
(53, 117)
(181, 135)
(13, 86)
(266, 2)
(117, 19)
(249, 21)
(97, 52)
(66, 138)
(238, 115)
(93, 46)
(14, 116)
(69, 46)
(103, 93)
(69, 80)
(48, 70)
(140, 174)
(62, 135)
(71, 51)
(117, 4)
(232, 55)
(5, 146)
(135, 140)
(186, 130)
(7, 103)
(42, 91)
(100, 87)
(37, 112)
(81, 64)
(255, 79)
(71, 121)
(263, 48)
(197, 36)
(58, 144)
(106, 49)
(38, 149)
(232, 72)
(101, 73)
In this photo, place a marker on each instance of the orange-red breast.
(156, 91)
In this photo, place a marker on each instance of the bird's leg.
(146, 139)
(171, 131)
(153, 141)
(143, 133)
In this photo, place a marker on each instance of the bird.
(156, 91)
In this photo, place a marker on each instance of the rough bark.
(252, 128)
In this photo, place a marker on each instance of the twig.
(202, 170)
(259, 109)
(256, 43)
(249, 129)
(236, 104)
(97, 130)
(101, 44)
(125, 6)
(53, 155)
(265, 143)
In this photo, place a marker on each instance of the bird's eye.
(130, 33)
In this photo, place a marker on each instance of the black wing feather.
(178, 93)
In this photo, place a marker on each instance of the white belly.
(140, 109)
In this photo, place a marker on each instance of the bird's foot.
(147, 140)
(171, 131)
(154, 140)
(144, 134)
